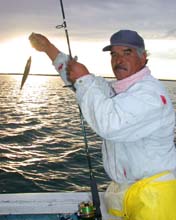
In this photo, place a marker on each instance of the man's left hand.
(75, 70)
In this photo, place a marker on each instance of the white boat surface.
(44, 204)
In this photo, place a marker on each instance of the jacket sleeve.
(128, 116)
(60, 64)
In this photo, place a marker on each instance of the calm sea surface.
(41, 141)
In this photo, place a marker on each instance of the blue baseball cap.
(125, 38)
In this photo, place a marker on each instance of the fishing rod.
(64, 25)
(93, 184)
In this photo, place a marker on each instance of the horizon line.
(41, 74)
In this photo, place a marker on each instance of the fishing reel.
(86, 211)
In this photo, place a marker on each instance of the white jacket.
(137, 124)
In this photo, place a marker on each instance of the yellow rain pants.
(149, 199)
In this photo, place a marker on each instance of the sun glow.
(15, 52)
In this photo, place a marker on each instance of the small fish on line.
(26, 71)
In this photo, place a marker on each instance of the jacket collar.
(122, 85)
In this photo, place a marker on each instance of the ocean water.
(41, 141)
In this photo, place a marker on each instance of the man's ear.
(144, 58)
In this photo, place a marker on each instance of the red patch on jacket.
(60, 66)
(163, 98)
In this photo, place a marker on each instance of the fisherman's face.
(125, 61)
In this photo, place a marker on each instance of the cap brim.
(108, 48)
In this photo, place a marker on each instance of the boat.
(45, 206)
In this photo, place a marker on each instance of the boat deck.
(45, 206)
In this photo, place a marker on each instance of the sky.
(90, 25)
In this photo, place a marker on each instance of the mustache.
(119, 67)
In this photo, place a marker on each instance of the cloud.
(93, 19)
(171, 33)
(100, 18)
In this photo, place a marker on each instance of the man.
(135, 117)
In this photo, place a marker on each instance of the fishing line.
(93, 184)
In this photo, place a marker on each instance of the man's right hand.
(41, 43)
